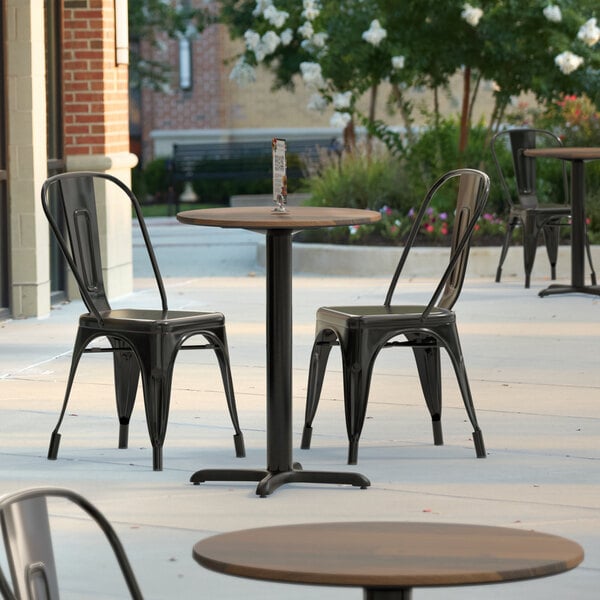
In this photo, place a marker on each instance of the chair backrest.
(524, 167)
(472, 193)
(28, 544)
(70, 204)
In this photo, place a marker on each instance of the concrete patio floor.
(534, 370)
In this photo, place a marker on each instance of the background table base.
(570, 289)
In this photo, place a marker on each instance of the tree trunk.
(405, 113)
(372, 109)
(350, 137)
(464, 116)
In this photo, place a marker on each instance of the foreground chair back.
(143, 342)
(28, 545)
(529, 208)
(363, 331)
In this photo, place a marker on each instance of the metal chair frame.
(25, 528)
(143, 342)
(526, 211)
(363, 331)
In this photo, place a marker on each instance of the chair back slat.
(525, 167)
(29, 550)
(78, 201)
(71, 198)
(28, 544)
(472, 193)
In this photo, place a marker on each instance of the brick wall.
(200, 107)
(95, 88)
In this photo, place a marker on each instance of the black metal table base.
(558, 288)
(281, 468)
(269, 481)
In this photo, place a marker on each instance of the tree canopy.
(344, 48)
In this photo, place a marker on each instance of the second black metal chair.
(525, 206)
(363, 331)
(143, 342)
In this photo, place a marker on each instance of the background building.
(202, 104)
(63, 107)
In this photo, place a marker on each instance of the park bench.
(241, 160)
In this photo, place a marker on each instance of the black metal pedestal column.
(279, 350)
(280, 468)
(383, 594)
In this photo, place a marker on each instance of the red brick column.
(96, 113)
(96, 122)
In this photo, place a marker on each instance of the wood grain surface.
(263, 217)
(393, 554)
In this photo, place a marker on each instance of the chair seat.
(551, 209)
(385, 316)
(142, 319)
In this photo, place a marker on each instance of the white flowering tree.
(549, 48)
(336, 49)
(344, 49)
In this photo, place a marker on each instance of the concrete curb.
(374, 261)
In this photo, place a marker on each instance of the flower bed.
(393, 228)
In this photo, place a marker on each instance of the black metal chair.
(143, 342)
(362, 331)
(30, 553)
(526, 208)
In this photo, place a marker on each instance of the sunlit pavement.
(533, 365)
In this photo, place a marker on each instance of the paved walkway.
(534, 370)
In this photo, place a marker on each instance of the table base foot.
(270, 481)
(273, 480)
(570, 289)
(387, 594)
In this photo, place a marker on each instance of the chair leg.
(507, 238)
(224, 364)
(156, 370)
(126, 373)
(530, 238)
(357, 380)
(429, 369)
(589, 257)
(318, 364)
(449, 337)
(78, 348)
(157, 391)
(551, 238)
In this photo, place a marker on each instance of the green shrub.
(359, 180)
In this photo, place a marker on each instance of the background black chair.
(142, 341)
(362, 331)
(29, 550)
(527, 208)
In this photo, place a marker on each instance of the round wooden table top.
(388, 554)
(264, 217)
(564, 153)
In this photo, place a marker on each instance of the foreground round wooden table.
(388, 559)
(577, 157)
(278, 228)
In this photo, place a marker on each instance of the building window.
(185, 63)
(121, 33)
